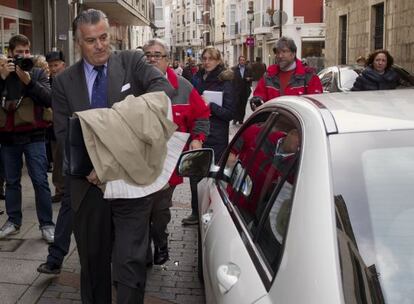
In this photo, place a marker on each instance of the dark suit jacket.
(242, 90)
(241, 84)
(70, 94)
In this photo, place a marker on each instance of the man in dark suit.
(242, 83)
(100, 79)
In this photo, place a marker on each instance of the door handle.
(227, 277)
(206, 217)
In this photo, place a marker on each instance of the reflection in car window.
(361, 281)
(326, 80)
(376, 184)
(262, 162)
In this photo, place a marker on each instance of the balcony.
(120, 11)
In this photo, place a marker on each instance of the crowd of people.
(115, 237)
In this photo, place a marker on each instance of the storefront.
(15, 18)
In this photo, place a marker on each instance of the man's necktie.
(99, 89)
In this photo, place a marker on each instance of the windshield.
(373, 175)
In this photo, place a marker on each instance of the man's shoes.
(49, 268)
(8, 229)
(48, 233)
(190, 220)
(161, 255)
(57, 198)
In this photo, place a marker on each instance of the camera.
(25, 63)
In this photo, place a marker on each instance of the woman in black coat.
(213, 77)
(378, 75)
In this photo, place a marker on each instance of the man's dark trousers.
(93, 230)
(63, 230)
(131, 218)
(92, 226)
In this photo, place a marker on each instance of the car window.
(375, 214)
(261, 169)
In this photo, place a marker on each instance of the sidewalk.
(175, 282)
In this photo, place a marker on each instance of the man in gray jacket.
(98, 80)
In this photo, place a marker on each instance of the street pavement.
(175, 282)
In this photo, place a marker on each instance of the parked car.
(341, 78)
(312, 202)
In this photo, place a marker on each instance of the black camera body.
(25, 63)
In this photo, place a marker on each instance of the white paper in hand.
(214, 97)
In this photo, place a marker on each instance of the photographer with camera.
(25, 94)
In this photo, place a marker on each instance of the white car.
(312, 202)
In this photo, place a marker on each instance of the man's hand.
(23, 75)
(5, 68)
(93, 178)
(196, 144)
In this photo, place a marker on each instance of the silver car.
(312, 202)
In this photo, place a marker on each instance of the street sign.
(250, 41)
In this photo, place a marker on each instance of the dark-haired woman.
(378, 75)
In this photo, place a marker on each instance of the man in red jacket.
(191, 114)
(287, 77)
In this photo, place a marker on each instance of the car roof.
(365, 111)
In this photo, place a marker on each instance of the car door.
(240, 249)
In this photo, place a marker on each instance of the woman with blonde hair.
(213, 77)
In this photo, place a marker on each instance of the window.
(343, 29)
(379, 26)
(159, 12)
(25, 28)
(261, 169)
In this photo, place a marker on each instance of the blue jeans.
(63, 230)
(36, 163)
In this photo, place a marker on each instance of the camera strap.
(7, 104)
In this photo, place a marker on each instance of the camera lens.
(26, 64)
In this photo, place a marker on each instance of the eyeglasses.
(156, 56)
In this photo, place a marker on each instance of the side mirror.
(195, 163)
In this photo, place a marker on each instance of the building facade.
(302, 20)
(356, 28)
(189, 31)
(48, 23)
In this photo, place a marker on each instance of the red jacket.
(303, 81)
(190, 113)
